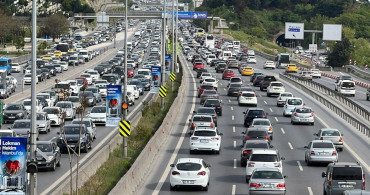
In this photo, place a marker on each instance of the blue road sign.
(113, 104)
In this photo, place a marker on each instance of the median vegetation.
(116, 166)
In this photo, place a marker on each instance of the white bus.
(236, 44)
(210, 41)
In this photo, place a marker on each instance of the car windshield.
(22, 124)
(347, 173)
(73, 99)
(78, 121)
(209, 80)
(63, 105)
(322, 145)
(74, 130)
(256, 145)
(206, 87)
(44, 147)
(205, 133)
(27, 103)
(211, 103)
(330, 133)
(286, 95)
(255, 134)
(267, 175)
(39, 117)
(202, 119)
(261, 122)
(235, 80)
(264, 158)
(348, 84)
(245, 89)
(14, 107)
(295, 102)
(99, 109)
(188, 166)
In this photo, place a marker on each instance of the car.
(220, 67)
(190, 172)
(333, 135)
(75, 136)
(138, 84)
(199, 71)
(227, 74)
(247, 98)
(302, 114)
(16, 67)
(262, 124)
(96, 93)
(67, 108)
(14, 111)
(207, 111)
(233, 89)
(291, 68)
(244, 89)
(88, 97)
(47, 97)
(290, 104)
(252, 59)
(322, 151)
(267, 79)
(91, 128)
(254, 133)
(98, 114)
(316, 73)
(208, 94)
(201, 120)
(43, 122)
(280, 100)
(53, 115)
(211, 81)
(346, 87)
(48, 155)
(215, 104)
(27, 79)
(263, 158)
(344, 78)
(204, 75)
(247, 71)
(269, 64)
(258, 80)
(343, 176)
(368, 94)
(22, 127)
(233, 64)
(267, 181)
(305, 75)
(248, 146)
(254, 75)
(5, 90)
(205, 139)
(197, 65)
(204, 87)
(275, 88)
(235, 80)
(252, 113)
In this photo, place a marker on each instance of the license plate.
(323, 153)
(248, 98)
(346, 186)
(72, 146)
(188, 181)
(11, 116)
(204, 141)
(267, 186)
(304, 119)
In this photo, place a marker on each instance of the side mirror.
(282, 158)
(305, 147)
(285, 176)
(243, 132)
(323, 174)
(194, 112)
(9, 128)
(208, 165)
(244, 113)
(172, 165)
(58, 132)
(220, 134)
(271, 146)
(316, 134)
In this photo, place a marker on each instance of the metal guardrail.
(310, 88)
(21, 59)
(358, 70)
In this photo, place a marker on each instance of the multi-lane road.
(227, 176)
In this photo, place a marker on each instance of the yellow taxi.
(291, 68)
(47, 57)
(70, 50)
(57, 53)
(247, 71)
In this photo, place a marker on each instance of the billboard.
(113, 104)
(187, 15)
(13, 151)
(332, 32)
(155, 81)
(294, 30)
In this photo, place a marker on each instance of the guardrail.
(21, 59)
(310, 88)
(357, 70)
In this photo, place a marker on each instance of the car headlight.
(91, 100)
(50, 158)
(42, 125)
(20, 114)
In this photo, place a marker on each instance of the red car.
(198, 65)
(130, 72)
(227, 74)
(204, 87)
(81, 81)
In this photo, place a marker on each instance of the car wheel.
(268, 95)
(205, 188)
(242, 163)
(246, 179)
(86, 149)
(172, 188)
(191, 151)
(308, 162)
(291, 122)
(58, 164)
(312, 124)
(341, 149)
(53, 166)
(49, 129)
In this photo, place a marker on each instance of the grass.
(116, 166)
(13, 53)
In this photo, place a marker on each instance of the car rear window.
(261, 122)
(257, 133)
(277, 84)
(205, 133)
(206, 86)
(207, 111)
(202, 118)
(330, 133)
(235, 85)
(347, 173)
(256, 145)
(294, 102)
(348, 84)
(322, 145)
(303, 110)
(255, 112)
(267, 175)
(264, 158)
(188, 166)
(235, 80)
(248, 94)
(209, 92)
(286, 95)
(209, 80)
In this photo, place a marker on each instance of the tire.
(312, 124)
(205, 188)
(246, 179)
(308, 163)
(58, 164)
(243, 164)
(86, 149)
(172, 188)
(284, 114)
(52, 168)
(191, 151)
(268, 95)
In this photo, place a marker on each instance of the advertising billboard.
(113, 105)
(187, 15)
(155, 81)
(13, 156)
(332, 32)
(294, 30)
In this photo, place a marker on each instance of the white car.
(275, 88)
(269, 64)
(94, 75)
(290, 104)
(47, 97)
(252, 59)
(74, 86)
(210, 81)
(53, 115)
(306, 75)
(102, 89)
(12, 80)
(16, 67)
(27, 105)
(88, 78)
(134, 90)
(210, 58)
(316, 73)
(98, 115)
(190, 172)
(205, 139)
(235, 80)
(247, 98)
(263, 158)
(302, 114)
(27, 79)
(68, 108)
(64, 65)
(280, 101)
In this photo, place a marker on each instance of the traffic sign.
(172, 76)
(163, 91)
(124, 106)
(125, 128)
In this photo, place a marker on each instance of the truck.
(282, 60)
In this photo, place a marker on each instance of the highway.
(227, 176)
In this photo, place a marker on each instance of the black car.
(100, 69)
(233, 89)
(207, 111)
(52, 70)
(220, 67)
(47, 72)
(255, 74)
(89, 97)
(252, 113)
(14, 111)
(200, 71)
(248, 146)
(40, 75)
(266, 82)
(214, 103)
(257, 81)
(71, 136)
(256, 134)
(146, 83)
(51, 156)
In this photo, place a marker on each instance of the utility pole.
(33, 133)
(176, 31)
(164, 49)
(173, 41)
(124, 115)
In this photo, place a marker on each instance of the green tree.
(55, 26)
(341, 53)
(19, 42)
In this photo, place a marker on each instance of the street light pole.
(33, 133)
(124, 115)
(176, 31)
(163, 49)
(173, 41)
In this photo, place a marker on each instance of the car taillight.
(334, 153)
(219, 107)
(211, 125)
(266, 137)
(254, 95)
(175, 173)
(312, 153)
(340, 139)
(192, 125)
(240, 93)
(295, 114)
(214, 117)
(270, 129)
(215, 138)
(341, 86)
(202, 173)
(247, 137)
(281, 185)
(363, 181)
(247, 152)
(194, 138)
(251, 164)
(321, 138)
(311, 115)
(254, 185)
(263, 116)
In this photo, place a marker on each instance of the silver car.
(320, 151)
(282, 97)
(302, 114)
(43, 122)
(22, 127)
(262, 124)
(333, 135)
(266, 181)
(201, 120)
(91, 128)
(68, 108)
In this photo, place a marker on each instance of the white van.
(225, 55)
(85, 54)
(134, 90)
(346, 87)
(236, 44)
(145, 72)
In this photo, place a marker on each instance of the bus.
(5, 65)
(210, 41)
(200, 31)
(63, 47)
(236, 45)
(78, 37)
(282, 60)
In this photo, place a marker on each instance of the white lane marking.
(276, 119)
(232, 108)
(233, 189)
(299, 166)
(52, 139)
(341, 73)
(178, 145)
(260, 95)
(229, 100)
(350, 150)
(220, 83)
(234, 144)
(290, 146)
(224, 89)
(265, 102)
(232, 117)
(233, 129)
(309, 191)
(271, 110)
(282, 130)
(234, 163)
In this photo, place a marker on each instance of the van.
(342, 176)
(134, 90)
(346, 87)
(85, 54)
(225, 55)
(144, 72)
